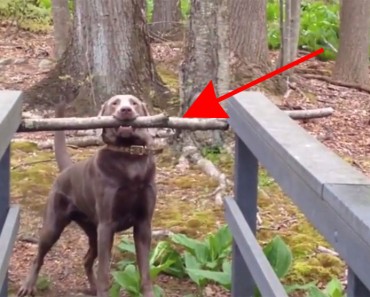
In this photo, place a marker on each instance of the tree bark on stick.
(156, 121)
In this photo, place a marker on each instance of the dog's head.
(125, 108)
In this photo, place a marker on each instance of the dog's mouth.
(125, 131)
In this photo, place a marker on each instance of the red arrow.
(207, 105)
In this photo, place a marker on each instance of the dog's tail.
(60, 147)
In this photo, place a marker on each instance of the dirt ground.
(184, 203)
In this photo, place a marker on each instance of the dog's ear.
(102, 109)
(99, 131)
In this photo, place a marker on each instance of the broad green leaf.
(334, 288)
(189, 243)
(160, 251)
(114, 291)
(177, 268)
(121, 265)
(126, 246)
(202, 253)
(279, 255)
(221, 278)
(226, 266)
(190, 261)
(128, 279)
(155, 270)
(158, 291)
(219, 242)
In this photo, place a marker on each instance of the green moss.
(193, 181)
(169, 77)
(24, 146)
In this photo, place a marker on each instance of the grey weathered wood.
(4, 184)
(355, 287)
(307, 170)
(252, 253)
(246, 180)
(10, 117)
(4, 204)
(7, 239)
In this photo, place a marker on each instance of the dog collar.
(138, 150)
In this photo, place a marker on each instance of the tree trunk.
(206, 52)
(248, 43)
(166, 21)
(353, 55)
(295, 24)
(290, 32)
(108, 54)
(62, 26)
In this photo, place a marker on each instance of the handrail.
(334, 196)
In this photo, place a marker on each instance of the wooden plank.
(356, 211)
(246, 192)
(4, 185)
(261, 270)
(262, 125)
(10, 116)
(7, 239)
(303, 173)
(355, 287)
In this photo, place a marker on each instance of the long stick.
(156, 121)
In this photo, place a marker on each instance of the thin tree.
(108, 53)
(166, 19)
(352, 61)
(206, 57)
(290, 25)
(62, 26)
(248, 44)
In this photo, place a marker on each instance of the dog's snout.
(126, 109)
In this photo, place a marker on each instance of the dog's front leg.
(142, 237)
(105, 242)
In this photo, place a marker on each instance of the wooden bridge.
(334, 196)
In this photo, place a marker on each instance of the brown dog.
(107, 193)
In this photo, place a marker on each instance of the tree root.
(338, 83)
(191, 153)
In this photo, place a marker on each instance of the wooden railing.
(333, 195)
(10, 118)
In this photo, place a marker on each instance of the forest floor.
(184, 202)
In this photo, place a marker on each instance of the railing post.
(4, 201)
(355, 287)
(246, 187)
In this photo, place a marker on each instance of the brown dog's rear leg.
(142, 238)
(53, 226)
(92, 253)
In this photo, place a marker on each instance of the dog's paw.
(26, 290)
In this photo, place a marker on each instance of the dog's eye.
(134, 103)
(114, 103)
